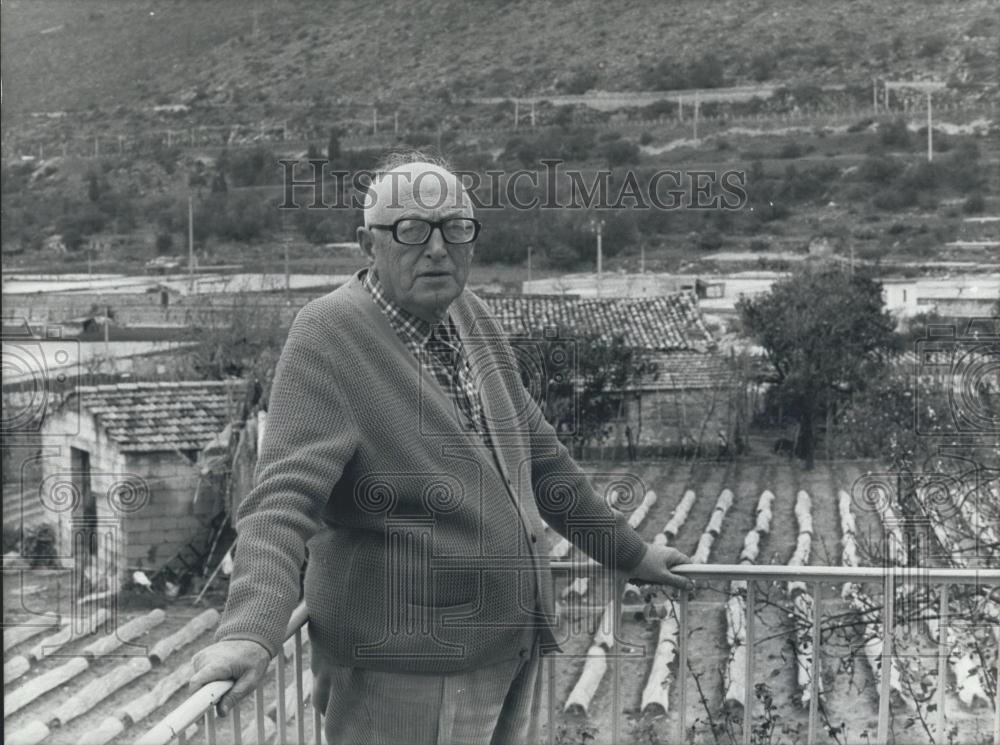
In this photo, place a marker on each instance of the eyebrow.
(411, 214)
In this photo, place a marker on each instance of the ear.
(367, 242)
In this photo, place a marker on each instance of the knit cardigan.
(425, 550)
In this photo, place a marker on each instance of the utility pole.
(532, 113)
(107, 322)
(642, 258)
(930, 130)
(191, 241)
(395, 123)
(874, 96)
(529, 262)
(598, 225)
(928, 86)
(515, 113)
(288, 279)
(696, 107)
(375, 121)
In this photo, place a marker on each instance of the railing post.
(682, 633)
(299, 692)
(888, 620)
(317, 723)
(748, 681)
(816, 669)
(282, 739)
(259, 706)
(942, 660)
(996, 692)
(237, 729)
(551, 665)
(210, 724)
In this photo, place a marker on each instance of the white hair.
(410, 168)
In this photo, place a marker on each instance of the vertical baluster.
(317, 723)
(748, 681)
(237, 729)
(552, 698)
(300, 725)
(210, 724)
(618, 589)
(888, 622)
(816, 671)
(281, 698)
(942, 660)
(682, 664)
(258, 696)
(996, 691)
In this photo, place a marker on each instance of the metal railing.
(201, 705)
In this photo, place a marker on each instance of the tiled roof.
(677, 371)
(155, 416)
(670, 322)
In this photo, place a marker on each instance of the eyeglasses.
(415, 231)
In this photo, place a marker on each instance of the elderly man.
(402, 446)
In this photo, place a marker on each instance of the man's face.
(423, 279)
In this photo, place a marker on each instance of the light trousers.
(496, 705)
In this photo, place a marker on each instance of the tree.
(333, 146)
(164, 243)
(582, 396)
(826, 333)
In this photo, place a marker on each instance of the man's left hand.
(655, 567)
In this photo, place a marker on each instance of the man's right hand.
(241, 660)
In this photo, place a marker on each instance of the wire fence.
(244, 135)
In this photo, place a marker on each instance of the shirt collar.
(413, 326)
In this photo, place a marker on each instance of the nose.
(435, 247)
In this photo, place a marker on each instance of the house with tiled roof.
(122, 474)
(695, 393)
(657, 324)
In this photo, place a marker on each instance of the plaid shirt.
(439, 350)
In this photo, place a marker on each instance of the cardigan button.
(534, 538)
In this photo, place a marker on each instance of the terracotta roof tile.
(671, 322)
(156, 416)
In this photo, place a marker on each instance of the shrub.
(895, 135)
(164, 242)
(931, 46)
(790, 150)
(895, 198)
(878, 169)
(40, 546)
(762, 66)
(710, 240)
(974, 204)
(579, 81)
(621, 152)
(645, 138)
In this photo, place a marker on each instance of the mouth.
(434, 274)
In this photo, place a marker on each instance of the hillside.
(270, 59)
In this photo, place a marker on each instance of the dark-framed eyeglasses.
(415, 231)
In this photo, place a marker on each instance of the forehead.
(430, 192)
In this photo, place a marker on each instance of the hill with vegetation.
(105, 102)
(268, 58)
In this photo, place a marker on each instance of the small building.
(122, 485)
(695, 392)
